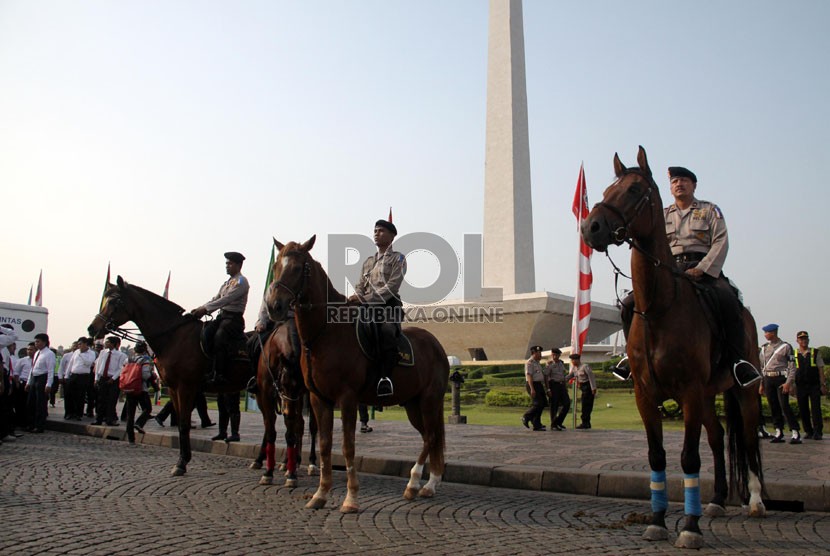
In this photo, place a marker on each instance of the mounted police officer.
(699, 241)
(380, 279)
(226, 329)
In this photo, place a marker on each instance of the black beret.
(535, 348)
(388, 225)
(235, 257)
(681, 172)
(556, 350)
(575, 356)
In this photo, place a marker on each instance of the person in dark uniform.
(535, 378)
(560, 401)
(810, 385)
(228, 405)
(225, 330)
(587, 384)
(377, 290)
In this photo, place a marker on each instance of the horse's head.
(291, 278)
(113, 311)
(627, 207)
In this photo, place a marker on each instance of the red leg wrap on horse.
(291, 456)
(270, 459)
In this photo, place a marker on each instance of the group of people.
(27, 380)
(548, 387)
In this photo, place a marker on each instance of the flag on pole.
(30, 295)
(582, 300)
(167, 287)
(39, 293)
(269, 276)
(106, 285)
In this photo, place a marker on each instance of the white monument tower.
(508, 214)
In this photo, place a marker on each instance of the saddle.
(368, 338)
(239, 345)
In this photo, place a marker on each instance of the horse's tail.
(743, 455)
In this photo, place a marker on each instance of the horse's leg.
(714, 434)
(325, 415)
(260, 458)
(693, 410)
(293, 421)
(747, 459)
(312, 432)
(427, 416)
(348, 413)
(184, 407)
(269, 420)
(414, 484)
(656, 531)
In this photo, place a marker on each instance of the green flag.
(269, 277)
(106, 285)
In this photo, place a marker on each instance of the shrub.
(507, 397)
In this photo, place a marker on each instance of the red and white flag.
(167, 287)
(39, 293)
(582, 300)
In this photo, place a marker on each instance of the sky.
(156, 135)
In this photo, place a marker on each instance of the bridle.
(129, 334)
(297, 297)
(620, 234)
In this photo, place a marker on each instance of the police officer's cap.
(235, 257)
(575, 356)
(681, 172)
(534, 349)
(557, 351)
(771, 327)
(802, 334)
(388, 225)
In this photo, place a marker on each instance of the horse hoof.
(757, 510)
(291, 483)
(313, 470)
(316, 503)
(178, 471)
(266, 480)
(688, 539)
(714, 510)
(426, 493)
(348, 509)
(410, 493)
(656, 533)
(255, 465)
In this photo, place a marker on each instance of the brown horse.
(337, 373)
(281, 390)
(670, 350)
(174, 337)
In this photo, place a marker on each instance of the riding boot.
(388, 360)
(234, 437)
(223, 427)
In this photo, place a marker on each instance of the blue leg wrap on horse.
(691, 492)
(659, 498)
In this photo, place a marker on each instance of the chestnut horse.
(281, 390)
(174, 337)
(670, 351)
(337, 373)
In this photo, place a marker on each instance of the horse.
(670, 351)
(174, 337)
(280, 389)
(337, 373)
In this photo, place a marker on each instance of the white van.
(25, 320)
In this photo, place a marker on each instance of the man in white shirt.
(78, 377)
(107, 370)
(63, 368)
(7, 340)
(40, 381)
(22, 370)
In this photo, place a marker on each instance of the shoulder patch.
(716, 211)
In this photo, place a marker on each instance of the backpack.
(130, 381)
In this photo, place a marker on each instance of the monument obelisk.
(508, 214)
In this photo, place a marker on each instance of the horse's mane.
(292, 248)
(156, 301)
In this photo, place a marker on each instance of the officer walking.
(560, 401)
(535, 377)
(229, 327)
(809, 386)
(779, 377)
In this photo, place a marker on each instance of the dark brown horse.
(338, 374)
(174, 337)
(281, 390)
(670, 349)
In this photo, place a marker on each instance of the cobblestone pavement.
(70, 494)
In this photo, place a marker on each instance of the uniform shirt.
(778, 357)
(555, 371)
(232, 296)
(806, 353)
(7, 338)
(583, 374)
(119, 359)
(43, 363)
(23, 368)
(381, 277)
(533, 369)
(81, 363)
(700, 229)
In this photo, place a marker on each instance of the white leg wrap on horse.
(415, 476)
(754, 490)
(434, 480)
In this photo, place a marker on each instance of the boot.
(217, 375)
(745, 373)
(234, 437)
(223, 427)
(388, 360)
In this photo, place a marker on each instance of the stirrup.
(622, 373)
(385, 387)
(756, 376)
(252, 387)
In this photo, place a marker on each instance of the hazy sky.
(159, 134)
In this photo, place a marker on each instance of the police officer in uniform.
(778, 366)
(587, 384)
(809, 386)
(225, 330)
(380, 279)
(699, 241)
(535, 377)
(560, 401)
